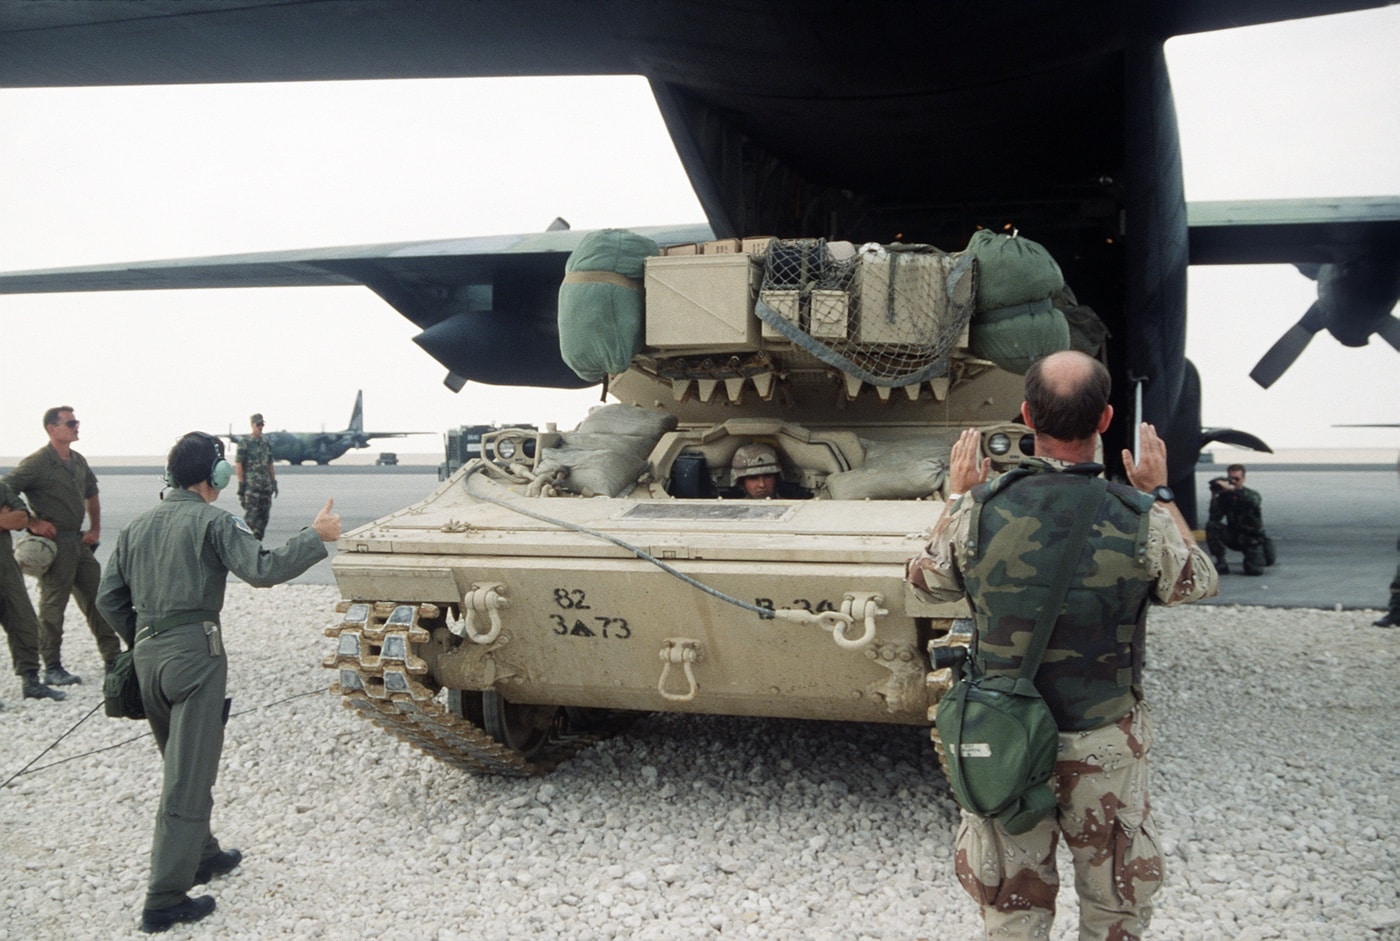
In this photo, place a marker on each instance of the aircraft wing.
(487, 305)
(1350, 247)
(1291, 231)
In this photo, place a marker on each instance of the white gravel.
(1276, 785)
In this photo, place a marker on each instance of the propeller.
(1354, 301)
(1289, 347)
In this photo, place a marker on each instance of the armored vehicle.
(562, 580)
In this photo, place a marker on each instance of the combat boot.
(224, 862)
(33, 689)
(1221, 566)
(159, 919)
(55, 675)
(1254, 560)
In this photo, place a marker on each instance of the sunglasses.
(71, 423)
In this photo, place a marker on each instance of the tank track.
(380, 677)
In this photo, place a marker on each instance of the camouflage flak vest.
(255, 454)
(1092, 671)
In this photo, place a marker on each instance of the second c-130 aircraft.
(295, 447)
(880, 122)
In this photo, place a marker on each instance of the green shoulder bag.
(999, 737)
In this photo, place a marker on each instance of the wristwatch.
(1163, 494)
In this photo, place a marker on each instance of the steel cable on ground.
(135, 738)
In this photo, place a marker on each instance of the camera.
(1219, 485)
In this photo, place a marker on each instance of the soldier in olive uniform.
(257, 481)
(164, 589)
(61, 490)
(1237, 522)
(997, 544)
(16, 611)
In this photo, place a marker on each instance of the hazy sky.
(89, 176)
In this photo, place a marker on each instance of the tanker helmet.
(35, 554)
(754, 460)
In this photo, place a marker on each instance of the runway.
(1335, 525)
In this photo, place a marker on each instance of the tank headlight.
(505, 448)
(999, 444)
(1028, 445)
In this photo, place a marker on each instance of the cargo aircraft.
(294, 447)
(883, 121)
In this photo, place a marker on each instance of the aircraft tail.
(357, 417)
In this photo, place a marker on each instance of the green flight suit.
(58, 492)
(164, 587)
(16, 610)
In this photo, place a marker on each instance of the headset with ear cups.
(220, 470)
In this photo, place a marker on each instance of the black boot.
(1254, 559)
(55, 675)
(1221, 566)
(159, 919)
(33, 689)
(224, 862)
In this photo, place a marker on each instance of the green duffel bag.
(1012, 270)
(1000, 741)
(121, 690)
(1015, 337)
(601, 304)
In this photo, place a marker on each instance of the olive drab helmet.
(754, 460)
(35, 554)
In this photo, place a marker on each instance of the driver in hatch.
(758, 475)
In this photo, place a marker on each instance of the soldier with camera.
(1237, 522)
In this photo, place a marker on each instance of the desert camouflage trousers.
(1101, 784)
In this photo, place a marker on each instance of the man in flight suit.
(164, 590)
(999, 544)
(61, 490)
(16, 611)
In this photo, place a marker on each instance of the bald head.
(1067, 395)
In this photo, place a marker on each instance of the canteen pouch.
(121, 691)
(1000, 741)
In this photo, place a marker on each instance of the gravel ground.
(1276, 785)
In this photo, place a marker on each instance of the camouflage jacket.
(997, 546)
(255, 454)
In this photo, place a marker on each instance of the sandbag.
(900, 480)
(601, 322)
(606, 471)
(619, 419)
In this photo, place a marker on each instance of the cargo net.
(889, 315)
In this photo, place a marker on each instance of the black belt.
(159, 625)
